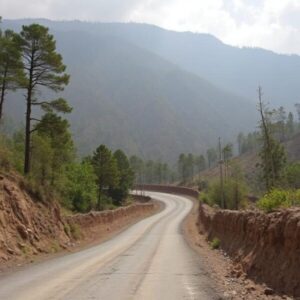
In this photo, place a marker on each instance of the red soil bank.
(27, 227)
(95, 224)
(267, 246)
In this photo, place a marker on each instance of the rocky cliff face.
(267, 246)
(27, 227)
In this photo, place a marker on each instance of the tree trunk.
(30, 87)
(27, 133)
(3, 93)
(268, 143)
(99, 204)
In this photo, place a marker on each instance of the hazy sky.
(271, 24)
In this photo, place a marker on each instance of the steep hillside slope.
(125, 96)
(27, 227)
(247, 162)
(239, 70)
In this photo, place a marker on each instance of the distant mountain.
(239, 70)
(127, 96)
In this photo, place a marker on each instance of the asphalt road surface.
(149, 260)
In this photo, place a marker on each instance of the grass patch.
(67, 229)
(55, 247)
(75, 231)
(215, 243)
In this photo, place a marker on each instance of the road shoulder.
(232, 283)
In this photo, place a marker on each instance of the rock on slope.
(27, 227)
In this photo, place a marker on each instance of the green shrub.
(55, 247)
(234, 194)
(215, 243)
(6, 155)
(292, 174)
(67, 229)
(279, 198)
(11, 152)
(36, 190)
(107, 203)
(202, 185)
(75, 231)
(79, 189)
(204, 198)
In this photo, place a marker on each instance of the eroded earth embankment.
(95, 225)
(29, 228)
(266, 246)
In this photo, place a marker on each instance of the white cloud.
(272, 24)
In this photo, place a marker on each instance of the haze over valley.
(157, 93)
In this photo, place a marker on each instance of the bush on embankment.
(279, 198)
(234, 194)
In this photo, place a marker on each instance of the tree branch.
(33, 119)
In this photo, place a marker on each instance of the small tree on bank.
(106, 170)
(272, 153)
(126, 178)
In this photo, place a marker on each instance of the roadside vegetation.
(276, 181)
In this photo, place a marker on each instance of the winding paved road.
(150, 260)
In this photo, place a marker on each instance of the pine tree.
(227, 155)
(11, 66)
(200, 163)
(290, 125)
(272, 153)
(211, 157)
(190, 165)
(138, 168)
(182, 166)
(44, 69)
(126, 178)
(240, 141)
(57, 131)
(106, 170)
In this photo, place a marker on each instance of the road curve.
(150, 260)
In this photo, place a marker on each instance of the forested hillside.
(130, 98)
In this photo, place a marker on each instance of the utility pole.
(221, 174)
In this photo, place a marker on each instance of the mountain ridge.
(236, 69)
